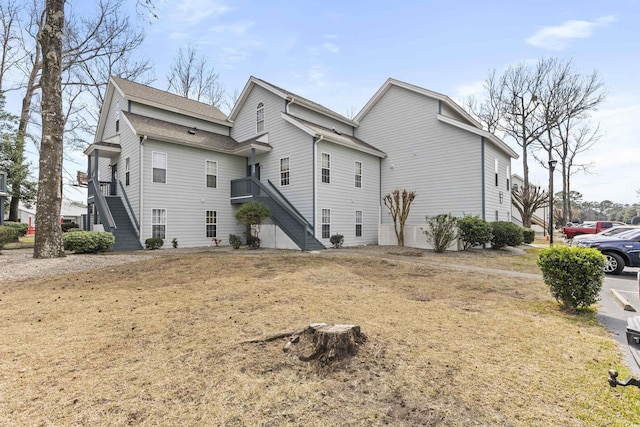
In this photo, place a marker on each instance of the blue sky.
(338, 53)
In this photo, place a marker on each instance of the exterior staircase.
(125, 233)
(283, 213)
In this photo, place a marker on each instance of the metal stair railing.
(130, 211)
(283, 213)
(103, 209)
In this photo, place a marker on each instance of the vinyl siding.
(450, 112)
(186, 197)
(317, 118)
(441, 163)
(130, 144)
(110, 123)
(169, 116)
(344, 199)
(492, 194)
(287, 141)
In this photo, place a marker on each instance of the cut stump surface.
(325, 342)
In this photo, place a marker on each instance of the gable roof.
(188, 136)
(287, 96)
(417, 89)
(500, 144)
(168, 101)
(332, 135)
(472, 124)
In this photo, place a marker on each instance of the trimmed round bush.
(505, 234)
(474, 231)
(88, 242)
(153, 243)
(574, 275)
(19, 228)
(528, 235)
(7, 235)
(235, 241)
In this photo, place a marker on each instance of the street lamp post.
(552, 166)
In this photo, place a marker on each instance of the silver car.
(613, 231)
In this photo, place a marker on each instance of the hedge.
(88, 242)
(574, 275)
(505, 234)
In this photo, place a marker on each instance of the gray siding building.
(165, 166)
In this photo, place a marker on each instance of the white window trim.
(325, 223)
(359, 223)
(288, 170)
(166, 167)
(260, 107)
(206, 172)
(322, 154)
(215, 223)
(165, 221)
(355, 173)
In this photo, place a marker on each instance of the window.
(211, 224)
(284, 171)
(496, 171)
(358, 223)
(158, 223)
(117, 115)
(212, 174)
(497, 216)
(159, 167)
(326, 223)
(260, 118)
(326, 168)
(358, 173)
(508, 173)
(126, 171)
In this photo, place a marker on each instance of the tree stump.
(325, 343)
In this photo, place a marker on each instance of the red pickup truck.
(589, 227)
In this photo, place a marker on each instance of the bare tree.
(566, 103)
(399, 205)
(191, 76)
(93, 47)
(529, 199)
(48, 242)
(10, 38)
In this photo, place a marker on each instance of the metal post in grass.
(552, 166)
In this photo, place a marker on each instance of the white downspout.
(315, 186)
(141, 187)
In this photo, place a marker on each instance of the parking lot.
(612, 314)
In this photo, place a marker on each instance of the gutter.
(143, 138)
(316, 139)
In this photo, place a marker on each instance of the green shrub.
(153, 243)
(474, 231)
(19, 228)
(505, 234)
(252, 215)
(528, 235)
(7, 235)
(235, 241)
(88, 242)
(337, 240)
(75, 230)
(66, 226)
(441, 231)
(574, 275)
(253, 241)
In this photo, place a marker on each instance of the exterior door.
(114, 179)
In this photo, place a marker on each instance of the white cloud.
(475, 89)
(237, 29)
(331, 47)
(560, 37)
(193, 12)
(315, 74)
(330, 36)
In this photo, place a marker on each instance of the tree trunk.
(325, 343)
(48, 242)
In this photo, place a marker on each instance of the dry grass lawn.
(159, 342)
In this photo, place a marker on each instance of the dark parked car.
(622, 250)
